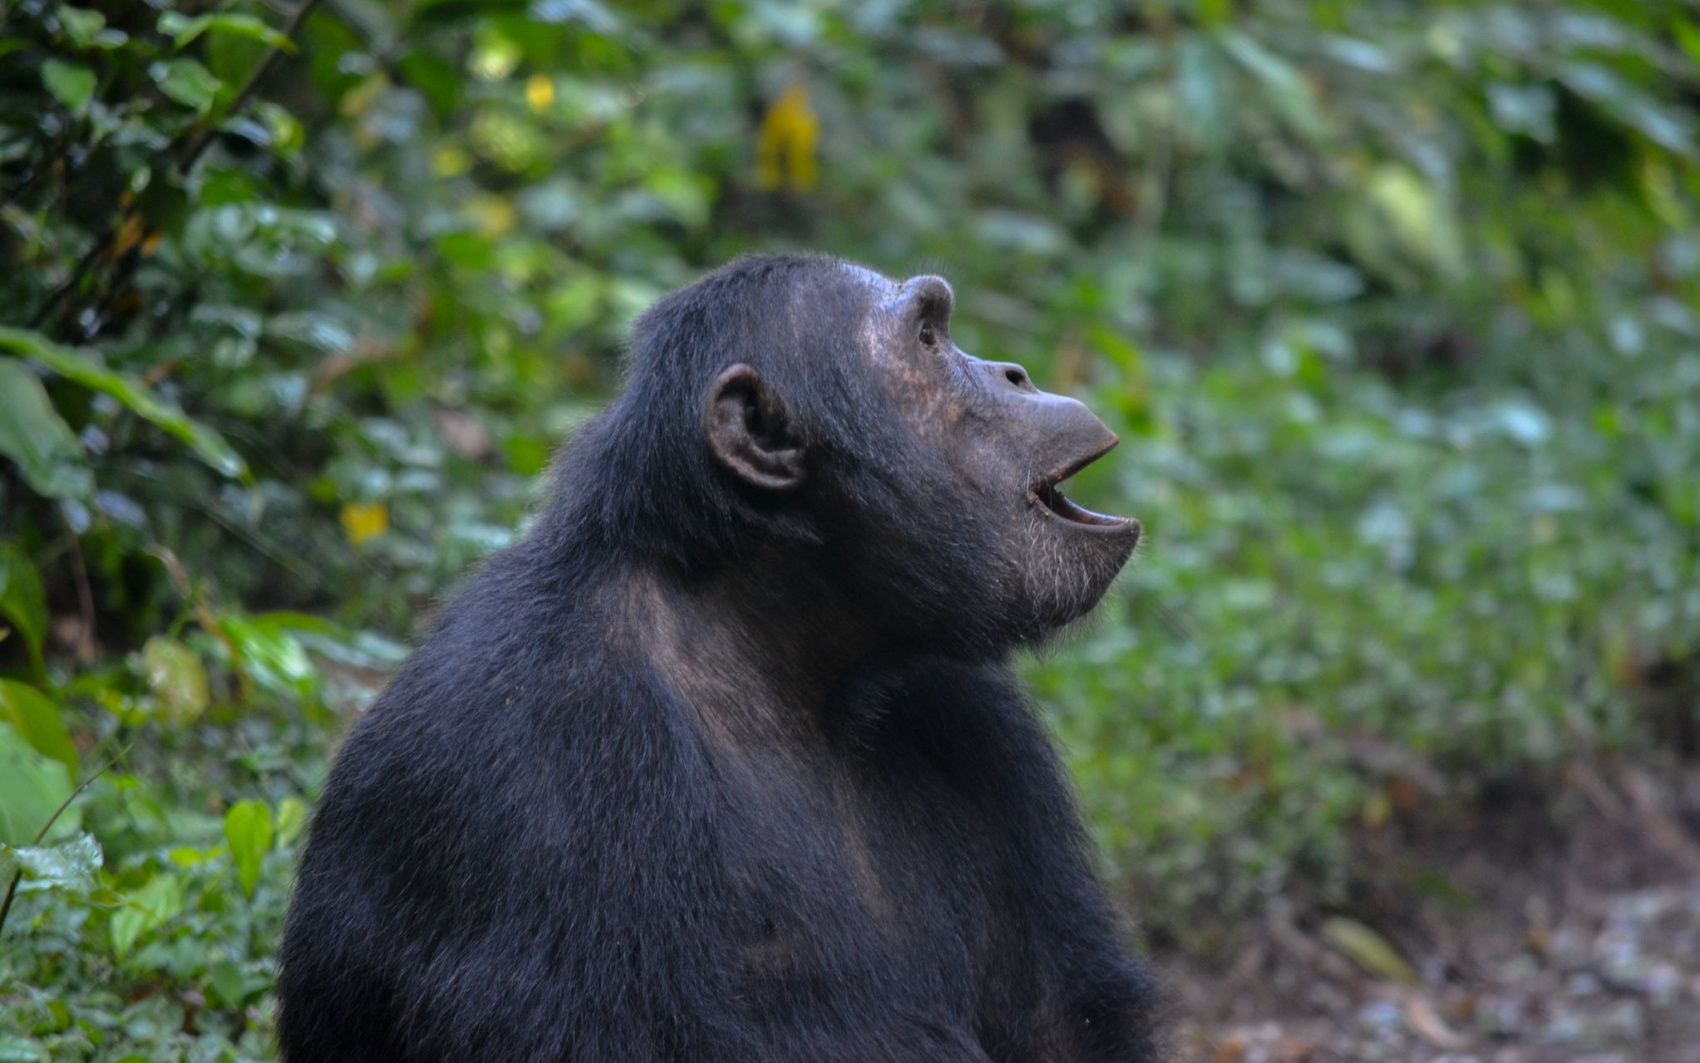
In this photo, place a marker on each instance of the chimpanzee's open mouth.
(1054, 503)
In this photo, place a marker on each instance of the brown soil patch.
(1554, 920)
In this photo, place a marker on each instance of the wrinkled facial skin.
(1041, 561)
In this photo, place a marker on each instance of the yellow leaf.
(364, 520)
(539, 92)
(131, 233)
(359, 99)
(450, 162)
(493, 216)
(1368, 950)
(1378, 809)
(785, 154)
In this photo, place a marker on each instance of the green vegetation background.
(1394, 307)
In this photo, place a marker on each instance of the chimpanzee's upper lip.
(1053, 502)
(1077, 464)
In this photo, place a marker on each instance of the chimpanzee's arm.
(1094, 1000)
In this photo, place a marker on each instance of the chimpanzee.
(725, 760)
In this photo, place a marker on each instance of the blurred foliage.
(1394, 307)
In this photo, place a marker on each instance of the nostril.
(1015, 376)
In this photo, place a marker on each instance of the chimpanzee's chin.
(1065, 577)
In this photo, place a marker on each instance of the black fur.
(700, 773)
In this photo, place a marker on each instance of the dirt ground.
(1566, 928)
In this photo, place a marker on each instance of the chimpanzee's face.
(1001, 448)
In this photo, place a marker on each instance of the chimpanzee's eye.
(928, 337)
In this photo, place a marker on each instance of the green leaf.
(229, 988)
(145, 909)
(439, 80)
(32, 787)
(73, 865)
(1416, 215)
(270, 653)
(327, 638)
(248, 830)
(1018, 232)
(1205, 110)
(284, 128)
(177, 679)
(33, 435)
(15, 1049)
(23, 601)
(80, 25)
(71, 84)
(182, 30)
(83, 367)
(1289, 93)
(1368, 950)
(1527, 109)
(291, 819)
(187, 82)
(1687, 36)
(35, 717)
(1669, 127)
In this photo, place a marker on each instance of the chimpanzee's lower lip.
(1052, 502)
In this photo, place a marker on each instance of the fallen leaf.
(1368, 950)
(1420, 1013)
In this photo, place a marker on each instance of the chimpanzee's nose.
(1056, 425)
(1007, 375)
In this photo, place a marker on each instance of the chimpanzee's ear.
(750, 431)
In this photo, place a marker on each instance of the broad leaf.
(291, 820)
(33, 435)
(177, 679)
(144, 909)
(270, 653)
(182, 30)
(80, 25)
(187, 82)
(83, 367)
(35, 717)
(73, 865)
(23, 602)
(248, 830)
(1670, 127)
(70, 83)
(32, 787)
(1288, 92)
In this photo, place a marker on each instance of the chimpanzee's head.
(804, 403)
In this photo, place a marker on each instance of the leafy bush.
(1392, 305)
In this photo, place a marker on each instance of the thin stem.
(85, 594)
(17, 876)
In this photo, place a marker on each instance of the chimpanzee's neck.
(757, 649)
